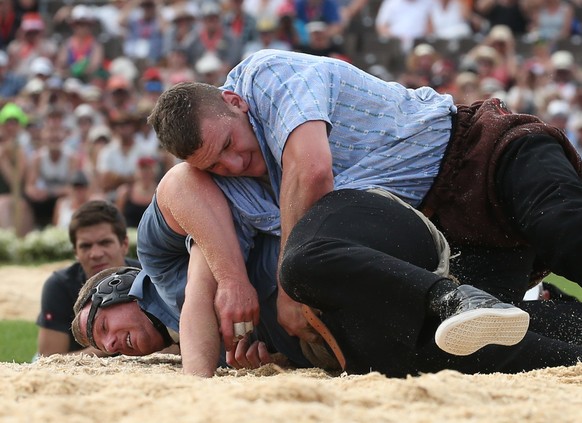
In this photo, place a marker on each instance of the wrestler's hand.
(246, 356)
(235, 303)
(291, 318)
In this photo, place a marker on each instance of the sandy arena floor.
(152, 389)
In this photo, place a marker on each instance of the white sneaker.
(479, 319)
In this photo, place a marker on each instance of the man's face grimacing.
(230, 146)
(98, 248)
(123, 328)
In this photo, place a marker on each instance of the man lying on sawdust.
(137, 313)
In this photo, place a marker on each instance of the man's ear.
(125, 246)
(233, 99)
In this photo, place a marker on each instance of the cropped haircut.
(95, 212)
(177, 115)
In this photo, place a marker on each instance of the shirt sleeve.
(56, 305)
(284, 94)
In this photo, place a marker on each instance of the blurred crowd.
(78, 80)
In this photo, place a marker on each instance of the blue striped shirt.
(381, 134)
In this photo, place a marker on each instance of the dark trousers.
(542, 196)
(366, 262)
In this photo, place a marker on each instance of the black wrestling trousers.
(366, 262)
(542, 194)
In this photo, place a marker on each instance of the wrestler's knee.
(300, 267)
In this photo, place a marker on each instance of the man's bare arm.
(199, 334)
(52, 341)
(307, 176)
(205, 214)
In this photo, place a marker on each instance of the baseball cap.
(266, 24)
(423, 49)
(577, 122)
(490, 85)
(287, 8)
(500, 33)
(41, 66)
(73, 86)
(146, 161)
(209, 62)
(13, 111)
(117, 82)
(82, 13)
(99, 131)
(55, 82)
(123, 66)
(79, 179)
(535, 67)
(151, 73)
(210, 8)
(562, 59)
(91, 93)
(32, 21)
(144, 107)
(33, 86)
(558, 108)
(153, 86)
(465, 79)
(185, 11)
(316, 26)
(84, 111)
(484, 52)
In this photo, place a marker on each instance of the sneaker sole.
(470, 331)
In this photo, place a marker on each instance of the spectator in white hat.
(502, 40)
(182, 31)
(42, 67)
(327, 11)
(216, 38)
(419, 64)
(210, 69)
(30, 43)
(99, 136)
(73, 89)
(558, 113)
(261, 8)
(267, 30)
(80, 55)
(143, 31)
(564, 71)
(321, 41)
(85, 117)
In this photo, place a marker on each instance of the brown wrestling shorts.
(463, 201)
